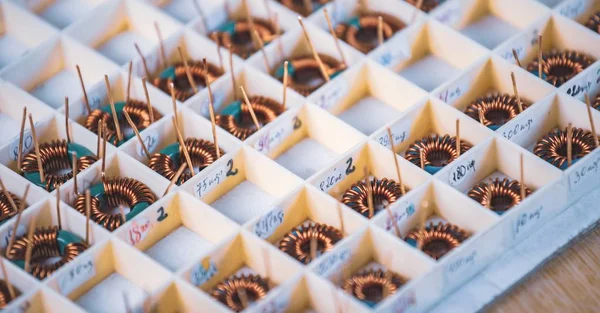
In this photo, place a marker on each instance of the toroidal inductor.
(6, 209)
(594, 22)
(56, 159)
(438, 152)
(5, 297)
(553, 147)
(166, 162)
(372, 286)
(505, 194)
(496, 109)
(115, 191)
(237, 120)
(297, 242)
(385, 192)
(300, 7)
(47, 244)
(437, 240)
(227, 292)
(559, 67)
(427, 5)
(596, 104)
(239, 35)
(305, 74)
(178, 76)
(361, 31)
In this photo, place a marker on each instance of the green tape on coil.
(63, 239)
(119, 107)
(97, 191)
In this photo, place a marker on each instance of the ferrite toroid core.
(305, 75)
(438, 150)
(497, 109)
(239, 35)
(553, 147)
(5, 297)
(299, 7)
(6, 210)
(361, 31)
(202, 154)
(226, 292)
(46, 247)
(594, 22)
(427, 5)
(265, 109)
(177, 74)
(372, 286)
(559, 67)
(437, 240)
(297, 242)
(505, 193)
(385, 192)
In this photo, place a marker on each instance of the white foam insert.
(369, 114)
(107, 296)
(62, 13)
(243, 202)
(489, 31)
(54, 90)
(10, 49)
(8, 128)
(306, 158)
(178, 248)
(120, 48)
(429, 72)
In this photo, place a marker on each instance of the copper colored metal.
(6, 210)
(56, 161)
(438, 240)
(553, 147)
(5, 297)
(438, 150)
(365, 39)
(226, 292)
(505, 193)
(596, 104)
(202, 153)
(266, 110)
(297, 242)
(183, 90)
(373, 285)
(594, 22)
(427, 5)
(299, 7)
(497, 108)
(45, 246)
(385, 192)
(241, 40)
(118, 191)
(559, 67)
(307, 76)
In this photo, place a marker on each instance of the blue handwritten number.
(162, 215)
(351, 168)
(231, 171)
(297, 123)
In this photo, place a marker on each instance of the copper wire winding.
(427, 5)
(45, 246)
(311, 78)
(553, 147)
(385, 192)
(242, 42)
(366, 38)
(594, 22)
(559, 67)
(5, 297)
(299, 7)
(55, 158)
(265, 109)
(596, 104)
(118, 190)
(226, 292)
(373, 285)
(202, 154)
(497, 109)
(6, 210)
(438, 240)
(183, 90)
(297, 242)
(438, 150)
(505, 194)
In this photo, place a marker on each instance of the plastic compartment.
(183, 10)
(578, 10)
(180, 296)
(44, 300)
(61, 13)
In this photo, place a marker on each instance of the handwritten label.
(268, 223)
(138, 230)
(332, 93)
(274, 136)
(218, 97)
(460, 266)
(151, 139)
(400, 132)
(527, 220)
(456, 90)
(274, 305)
(394, 51)
(573, 9)
(78, 274)
(399, 216)
(405, 302)
(338, 173)
(584, 173)
(13, 151)
(215, 177)
(332, 261)
(519, 45)
(449, 13)
(518, 129)
(578, 87)
(203, 272)
(461, 172)
(21, 230)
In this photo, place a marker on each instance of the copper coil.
(505, 194)
(438, 150)
(594, 22)
(56, 161)
(5, 297)
(241, 41)
(366, 39)
(118, 191)
(427, 5)
(385, 192)
(137, 110)
(6, 210)
(559, 67)
(226, 292)
(183, 90)
(437, 240)
(297, 242)
(373, 285)
(299, 7)
(307, 76)
(553, 147)
(202, 154)
(497, 109)
(44, 246)
(265, 109)
(596, 104)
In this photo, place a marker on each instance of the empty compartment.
(61, 13)
(179, 296)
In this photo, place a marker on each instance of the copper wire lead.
(497, 109)
(5, 297)
(437, 240)
(505, 194)
(559, 67)
(365, 38)
(307, 76)
(240, 41)
(265, 109)
(385, 192)
(438, 150)
(183, 89)
(553, 147)
(227, 292)
(297, 242)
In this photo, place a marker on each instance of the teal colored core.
(228, 27)
(168, 73)
(172, 151)
(234, 109)
(119, 106)
(97, 191)
(535, 72)
(494, 127)
(573, 161)
(280, 71)
(64, 238)
(355, 21)
(411, 242)
(432, 169)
